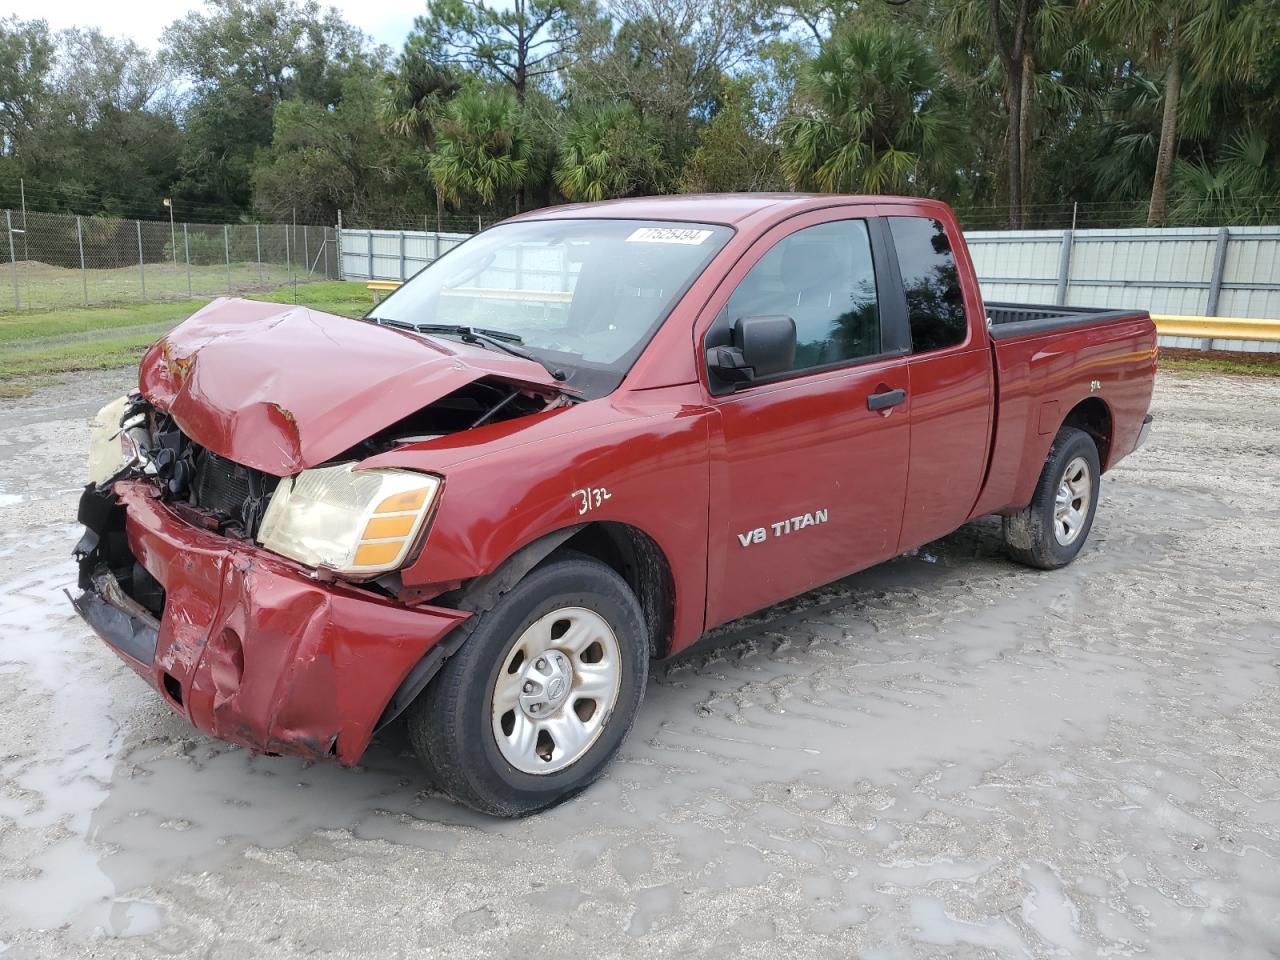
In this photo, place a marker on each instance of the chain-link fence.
(55, 260)
(466, 223)
(1184, 212)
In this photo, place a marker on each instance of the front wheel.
(1053, 528)
(538, 699)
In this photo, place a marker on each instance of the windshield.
(584, 296)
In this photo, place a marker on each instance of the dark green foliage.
(482, 151)
(876, 116)
(1126, 110)
(609, 153)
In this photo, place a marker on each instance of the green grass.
(1244, 367)
(345, 298)
(38, 346)
(19, 328)
(68, 357)
(43, 286)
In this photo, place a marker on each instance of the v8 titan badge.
(783, 527)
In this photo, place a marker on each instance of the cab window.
(935, 302)
(823, 278)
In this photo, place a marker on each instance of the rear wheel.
(1053, 528)
(538, 699)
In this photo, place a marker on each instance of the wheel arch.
(623, 547)
(626, 549)
(636, 557)
(1093, 416)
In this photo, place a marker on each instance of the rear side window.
(935, 304)
(822, 277)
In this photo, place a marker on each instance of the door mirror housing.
(761, 347)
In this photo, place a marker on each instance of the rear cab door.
(949, 371)
(807, 481)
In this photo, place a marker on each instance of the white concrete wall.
(1164, 271)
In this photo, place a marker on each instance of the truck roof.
(722, 208)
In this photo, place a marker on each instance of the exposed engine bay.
(219, 494)
(484, 401)
(215, 493)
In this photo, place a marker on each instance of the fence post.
(186, 252)
(142, 273)
(288, 257)
(306, 250)
(337, 252)
(1219, 268)
(226, 250)
(257, 238)
(13, 259)
(84, 280)
(1064, 266)
(402, 256)
(325, 244)
(369, 235)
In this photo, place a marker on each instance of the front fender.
(640, 462)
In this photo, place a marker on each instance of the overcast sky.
(387, 21)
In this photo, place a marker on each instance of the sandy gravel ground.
(948, 755)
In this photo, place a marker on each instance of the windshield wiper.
(465, 332)
(388, 322)
(470, 335)
(497, 338)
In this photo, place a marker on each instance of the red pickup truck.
(575, 443)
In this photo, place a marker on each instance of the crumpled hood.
(282, 388)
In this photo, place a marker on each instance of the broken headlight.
(355, 522)
(111, 445)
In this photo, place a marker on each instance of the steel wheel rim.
(1071, 503)
(556, 688)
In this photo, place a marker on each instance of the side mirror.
(762, 346)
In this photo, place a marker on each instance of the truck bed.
(1049, 360)
(1006, 320)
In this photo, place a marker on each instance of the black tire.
(1032, 534)
(451, 725)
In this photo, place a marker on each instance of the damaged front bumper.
(243, 643)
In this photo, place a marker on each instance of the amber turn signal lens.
(377, 554)
(386, 528)
(396, 503)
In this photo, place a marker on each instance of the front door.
(809, 470)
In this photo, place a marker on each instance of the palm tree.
(876, 115)
(1128, 139)
(1241, 187)
(609, 153)
(417, 91)
(1205, 41)
(1028, 52)
(481, 148)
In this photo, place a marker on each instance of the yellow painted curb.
(1217, 328)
